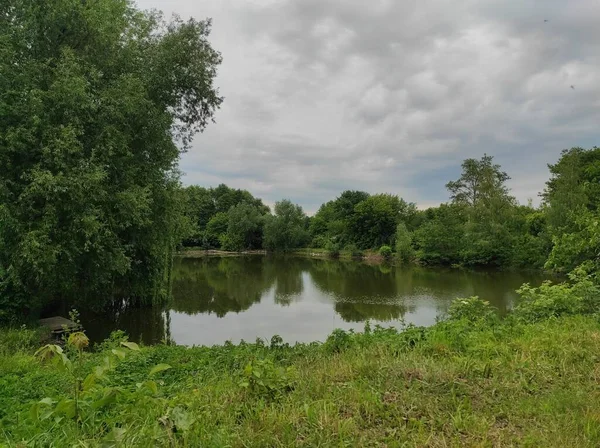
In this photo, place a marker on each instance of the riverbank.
(472, 380)
(367, 255)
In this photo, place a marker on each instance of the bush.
(264, 379)
(385, 252)
(473, 310)
(333, 249)
(23, 339)
(354, 251)
(338, 341)
(548, 300)
(319, 242)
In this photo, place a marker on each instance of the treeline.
(481, 225)
(229, 219)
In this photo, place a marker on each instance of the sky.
(389, 96)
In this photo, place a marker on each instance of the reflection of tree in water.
(146, 324)
(365, 289)
(360, 291)
(362, 311)
(352, 280)
(287, 271)
(219, 285)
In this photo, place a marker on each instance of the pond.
(301, 299)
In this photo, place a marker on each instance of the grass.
(471, 380)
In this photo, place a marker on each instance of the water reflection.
(233, 298)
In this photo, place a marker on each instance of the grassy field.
(529, 380)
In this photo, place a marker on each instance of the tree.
(480, 181)
(578, 246)
(199, 209)
(203, 204)
(404, 249)
(574, 185)
(286, 229)
(216, 231)
(374, 220)
(244, 228)
(94, 97)
(481, 190)
(331, 222)
(440, 237)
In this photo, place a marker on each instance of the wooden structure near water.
(58, 324)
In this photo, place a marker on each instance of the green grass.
(472, 380)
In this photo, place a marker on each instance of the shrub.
(319, 242)
(385, 252)
(332, 248)
(263, 378)
(338, 341)
(549, 300)
(473, 310)
(354, 251)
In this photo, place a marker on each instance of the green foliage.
(581, 296)
(204, 204)
(21, 339)
(474, 310)
(580, 244)
(338, 341)
(244, 228)
(216, 231)
(481, 182)
(385, 252)
(333, 249)
(404, 248)
(286, 229)
(374, 220)
(439, 239)
(354, 251)
(92, 111)
(262, 378)
(572, 187)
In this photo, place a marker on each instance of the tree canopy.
(97, 99)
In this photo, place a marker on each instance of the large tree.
(481, 181)
(287, 228)
(574, 185)
(97, 99)
(374, 220)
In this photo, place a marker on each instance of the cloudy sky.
(390, 96)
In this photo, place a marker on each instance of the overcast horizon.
(323, 96)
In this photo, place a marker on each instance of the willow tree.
(97, 101)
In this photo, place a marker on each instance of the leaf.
(131, 346)
(90, 381)
(109, 397)
(150, 385)
(99, 371)
(115, 436)
(34, 411)
(183, 420)
(49, 401)
(159, 368)
(67, 407)
(119, 353)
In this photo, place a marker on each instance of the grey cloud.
(324, 95)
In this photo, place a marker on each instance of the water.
(300, 299)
